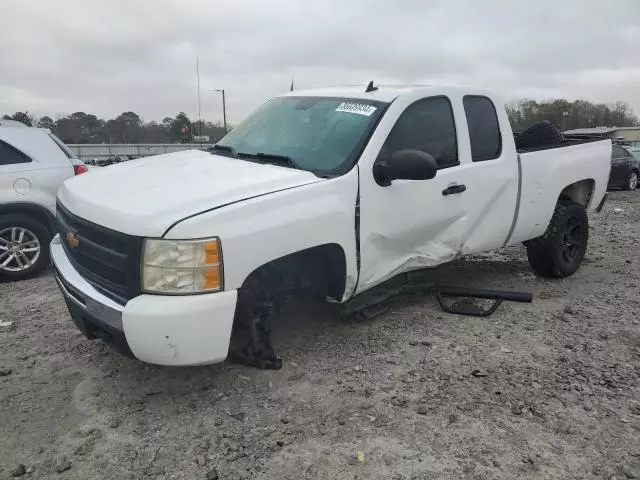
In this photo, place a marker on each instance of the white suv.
(33, 165)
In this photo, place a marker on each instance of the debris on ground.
(19, 471)
(62, 465)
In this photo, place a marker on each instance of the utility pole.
(199, 103)
(224, 112)
(565, 114)
(224, 109)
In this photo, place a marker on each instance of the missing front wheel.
(251, 343)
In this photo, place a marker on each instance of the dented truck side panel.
(411, 224)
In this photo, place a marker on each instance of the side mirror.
(404, 165)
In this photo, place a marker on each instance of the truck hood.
(145, 197)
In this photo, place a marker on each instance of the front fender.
(36, 210)
(259, 230)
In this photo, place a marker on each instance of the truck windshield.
(318, 134)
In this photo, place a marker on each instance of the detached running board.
(375, 302)
(472, 309)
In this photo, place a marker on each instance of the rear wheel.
(559, 252)
(632, 181)
(24, 247)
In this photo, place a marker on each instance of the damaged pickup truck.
(178, 259)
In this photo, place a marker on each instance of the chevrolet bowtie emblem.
(72, 240)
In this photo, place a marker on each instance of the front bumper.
(165, 330)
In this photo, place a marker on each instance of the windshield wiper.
(274, 157)
(225, 149)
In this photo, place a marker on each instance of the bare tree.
(22, 117)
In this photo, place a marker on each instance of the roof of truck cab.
(384, 93)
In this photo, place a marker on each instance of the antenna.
(370, 87)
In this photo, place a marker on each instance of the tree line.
(570, 115)
(128, 127)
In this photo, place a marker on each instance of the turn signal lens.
(211, 255)
(212, 278)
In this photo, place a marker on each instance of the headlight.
(181, 266)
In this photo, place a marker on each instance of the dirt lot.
(548, 390)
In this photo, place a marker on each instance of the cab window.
(426, 125)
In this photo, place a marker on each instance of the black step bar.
(462, 308)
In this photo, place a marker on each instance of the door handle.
(453, 189)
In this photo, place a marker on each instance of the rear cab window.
(484, 129)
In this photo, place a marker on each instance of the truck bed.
(569, 141)
(546, 170)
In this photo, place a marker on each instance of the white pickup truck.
(175, 259)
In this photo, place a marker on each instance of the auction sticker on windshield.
(358, 108)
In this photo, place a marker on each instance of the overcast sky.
(108, 56)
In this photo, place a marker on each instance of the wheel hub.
(19, 249)
(571, 240)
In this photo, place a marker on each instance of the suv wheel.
(24, 247)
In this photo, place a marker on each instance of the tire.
(559, 251)
(632, 181)
(24, 247)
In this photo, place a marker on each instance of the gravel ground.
(547, 390)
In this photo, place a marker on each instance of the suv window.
(63, 147)
(619, 152)
(627, 153)
(426, 125)
(484, 130)
(10, 155)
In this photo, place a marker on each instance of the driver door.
(415, 224)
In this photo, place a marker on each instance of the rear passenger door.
(12, 165)
(32, 166)
(494, 180)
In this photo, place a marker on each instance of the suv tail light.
(78, 169)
